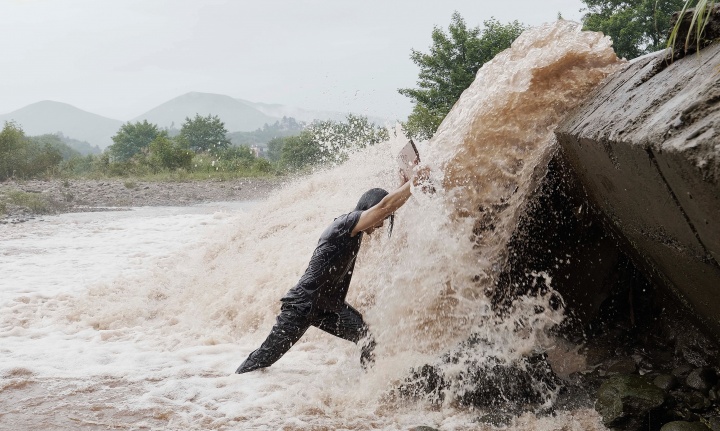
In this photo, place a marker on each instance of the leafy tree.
(450, 67)
(274, 148)
(240, 152)
(300, 151)
(636, 27)
(166, 153)
(241, 157)
(82, 165)
(55, 141)
(131, 139)
(325, 142)
(12, 144)
(204, 134)
(41, 159)
(22, 158)
(338, 139)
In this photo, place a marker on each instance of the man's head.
(368, 200)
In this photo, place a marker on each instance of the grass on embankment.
(173, 176)
(19, 200)
(35, 202)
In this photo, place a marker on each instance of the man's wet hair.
(371, 198)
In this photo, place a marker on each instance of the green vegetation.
(131, 139)
(36, 202)
(450, 67)
(204, 134)
(21, 157)
(636, 27)
(201, 150)
(700, 19)
(55, 141)
(287, 126)
(324, 143)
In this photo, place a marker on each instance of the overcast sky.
(120, 58)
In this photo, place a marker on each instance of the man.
(319, 297)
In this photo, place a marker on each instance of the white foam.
(155, 308)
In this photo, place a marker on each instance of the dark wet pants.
(292, 322)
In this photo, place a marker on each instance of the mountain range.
(237, 114)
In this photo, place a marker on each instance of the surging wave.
(181, 329)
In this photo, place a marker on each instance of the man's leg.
(291, 324)
(347, 323)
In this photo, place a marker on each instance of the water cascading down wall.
(579, 188)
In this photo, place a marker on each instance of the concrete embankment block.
(646, 146)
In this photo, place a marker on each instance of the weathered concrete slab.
(646, 146)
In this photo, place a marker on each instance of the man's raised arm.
(389, 204)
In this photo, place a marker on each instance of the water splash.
(185, 326)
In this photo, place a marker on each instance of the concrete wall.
(646, 146)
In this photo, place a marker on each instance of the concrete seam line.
(708, 255)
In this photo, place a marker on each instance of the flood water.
(138, 319)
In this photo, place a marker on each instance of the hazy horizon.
(120, 59)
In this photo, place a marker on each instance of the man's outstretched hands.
(421, 175)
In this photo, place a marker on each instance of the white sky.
(120, 58)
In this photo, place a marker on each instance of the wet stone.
(682, 371)
(625, 401)
(714, 423)
(701, 379)
(713, 395)
(694, 401)
(666, 382)
(684, 426)
(423, 428)
(623, 366)
(497, 420)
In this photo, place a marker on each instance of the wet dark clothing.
(319, 298)
(327, 277)
(292, 322)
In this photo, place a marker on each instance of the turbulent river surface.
(137, 319)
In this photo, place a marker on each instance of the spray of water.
(186, 325)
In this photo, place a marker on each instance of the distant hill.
(237, 115)
(76, 126)
(51, 117)
(300, 114)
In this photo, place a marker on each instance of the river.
(137, 319)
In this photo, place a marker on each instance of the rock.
(713, 395)
(698, 403)
(491, 383)
(692, 401)
(714, 423)
(423, 428)
(696, 349)
(666, 382)
(625, 401)
(682, 371)
(684, 426)
(623, 366)
(702, 379)
(496, 419)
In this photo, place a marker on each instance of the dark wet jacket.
(327, 277)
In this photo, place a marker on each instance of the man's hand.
(421, 174)
(421, 178)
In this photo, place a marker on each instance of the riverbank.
(23, 200)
